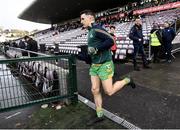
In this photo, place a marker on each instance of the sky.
(9, 12)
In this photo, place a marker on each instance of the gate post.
(73, 79)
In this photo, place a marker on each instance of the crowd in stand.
(147, 3)
(109, 18)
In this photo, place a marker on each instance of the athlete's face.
(112, 30)
(86, 20)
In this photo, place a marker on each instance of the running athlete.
(102, 67)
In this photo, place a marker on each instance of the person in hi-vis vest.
(155, 44)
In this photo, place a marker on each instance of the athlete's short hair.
(88, 12)
(112, 26)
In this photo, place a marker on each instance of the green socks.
(99, 112)
(127, 80)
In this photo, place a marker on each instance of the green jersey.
(99, 38)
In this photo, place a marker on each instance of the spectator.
(168, 34)
(22, 45)
(14, 44)
(56, 49)
(114, 47)
(137, 37)
(31, 46)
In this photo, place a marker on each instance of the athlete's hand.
(92, 50)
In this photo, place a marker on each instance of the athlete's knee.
(109, 92)
(95, 90)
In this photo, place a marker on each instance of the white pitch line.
(13, 115)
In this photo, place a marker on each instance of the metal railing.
(26, 81)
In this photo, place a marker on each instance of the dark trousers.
(168, 49)
(155, 51)
(138, 48)
(113, 55)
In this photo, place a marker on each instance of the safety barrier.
(26, 81)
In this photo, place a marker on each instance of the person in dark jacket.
(102, 67)
(31, 46)
(137, 36)
(168, 34)
(22, 45)
(56, 49)
(114, 47)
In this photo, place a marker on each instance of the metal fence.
(26, 81)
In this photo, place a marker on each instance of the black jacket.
(168, 35)
(22, 45)
(32, 46)
(136, 34)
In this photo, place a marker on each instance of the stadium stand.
(70, 40)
